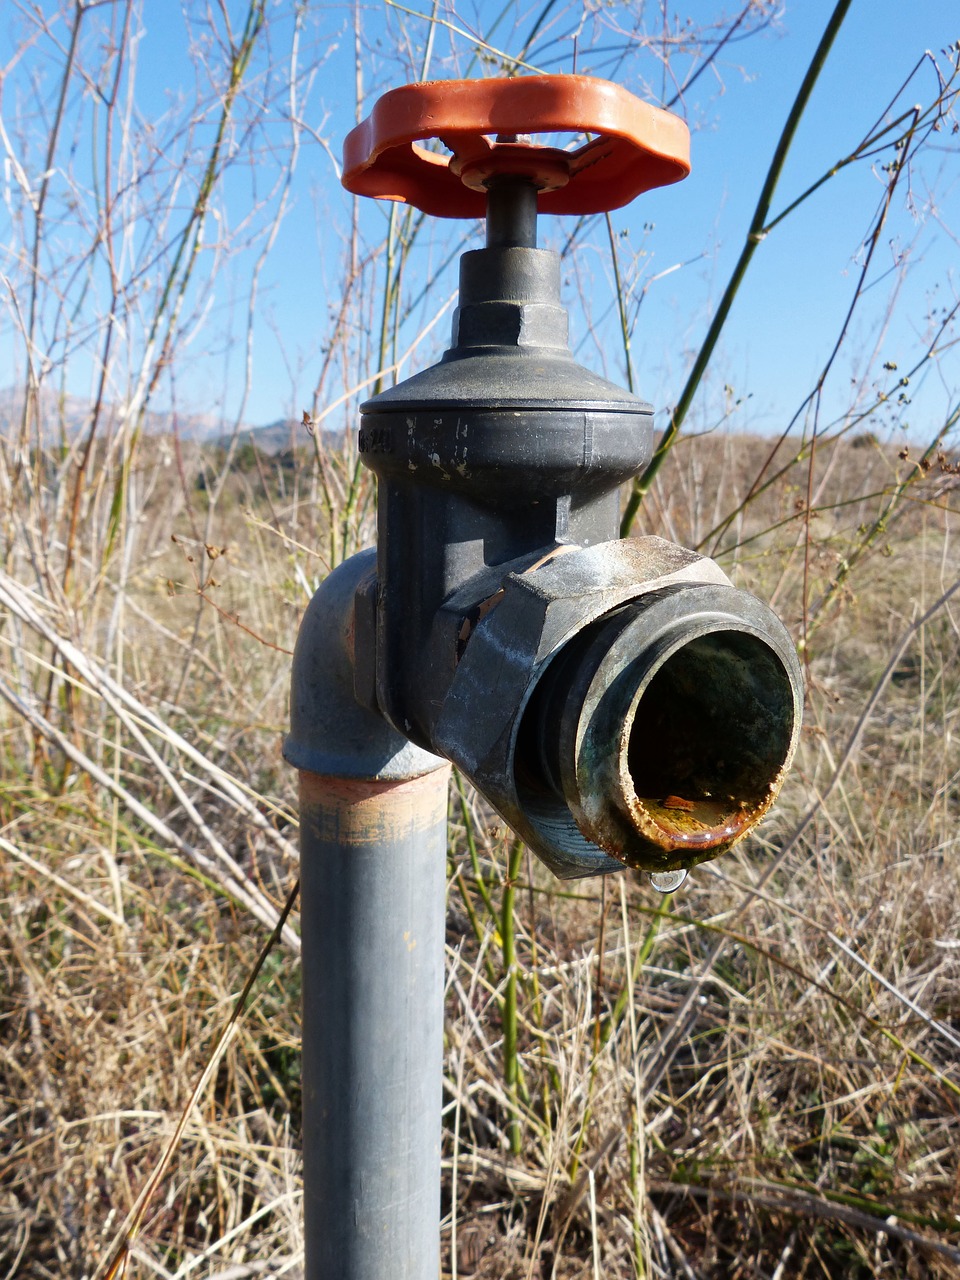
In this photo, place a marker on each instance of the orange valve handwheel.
(487, 125)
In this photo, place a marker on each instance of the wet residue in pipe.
(707, 744)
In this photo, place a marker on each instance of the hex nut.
(540, 610)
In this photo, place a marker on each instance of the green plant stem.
(461, 882)
(755, 235)
(508, 944)
(184, 260)
(189, 241)
(551, 1077)
(482, 887)
(635, 1138)
(621, 303)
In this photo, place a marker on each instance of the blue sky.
(789, 310)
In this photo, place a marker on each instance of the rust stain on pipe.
(364, 811)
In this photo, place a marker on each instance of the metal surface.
(330, 731)
(373, 879)
(554, 698)
(511, 215)
(490, 464)
(666, 726)
(501, 452)
(605, 697)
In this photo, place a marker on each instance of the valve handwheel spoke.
(487, 126)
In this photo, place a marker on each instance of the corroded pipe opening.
(707, 740)
(665, 729)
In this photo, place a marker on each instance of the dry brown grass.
(756, 1077)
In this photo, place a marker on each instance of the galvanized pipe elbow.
(332, 734)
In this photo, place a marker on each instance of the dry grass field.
(754, 1077)
(757, 1078)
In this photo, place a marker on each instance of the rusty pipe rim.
(674, 721)
(691, 791)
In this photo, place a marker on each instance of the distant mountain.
(68, 415)
(285, 433)
(71, 416)
(58, 414)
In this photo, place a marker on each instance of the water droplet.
(667, 881)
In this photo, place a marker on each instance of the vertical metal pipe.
(373, 873)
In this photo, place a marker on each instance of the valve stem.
(511, 214)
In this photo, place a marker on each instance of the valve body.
(599, 693)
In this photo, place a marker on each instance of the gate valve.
(615, 701)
